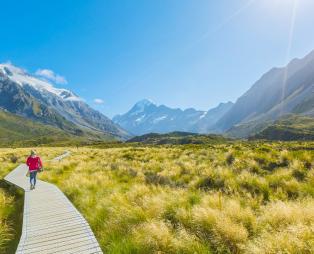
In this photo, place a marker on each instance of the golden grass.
(9, 159)
(224, 198)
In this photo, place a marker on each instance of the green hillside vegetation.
(244, 129)
(19, 131)
(176, 138)
(293, 127)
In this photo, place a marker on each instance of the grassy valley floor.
(238, 197)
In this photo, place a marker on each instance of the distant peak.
(144, 102)
(141, 106)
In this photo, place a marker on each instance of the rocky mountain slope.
(36, 99)
(279, 92)
(207, 124)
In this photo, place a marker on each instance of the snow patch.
(140, 119)
(159, 119)
(22, 78)
(203, 115)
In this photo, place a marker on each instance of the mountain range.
(146, 116)
(281, 97)
(38, 100)
(279, 93)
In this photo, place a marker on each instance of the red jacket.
(34, 163)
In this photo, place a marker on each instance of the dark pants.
(32, 177)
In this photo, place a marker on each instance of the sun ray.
(184, 50)
(288, 53)
(225, 22)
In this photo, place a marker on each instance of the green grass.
(10, 205)
(11, 216)
(294, 127)
(16, 131)
(177, 138)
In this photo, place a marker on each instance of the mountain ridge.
(26, 95)
(278, 92)
(281, 91)
(145, 117)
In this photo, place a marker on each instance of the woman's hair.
(33, 152)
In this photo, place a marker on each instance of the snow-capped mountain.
(279, 93)
(32, 97)
(22, 78)
(145, 117)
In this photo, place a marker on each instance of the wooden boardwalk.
(51, 224)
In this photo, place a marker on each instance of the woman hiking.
(34, 165)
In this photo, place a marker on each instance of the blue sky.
(182, 53)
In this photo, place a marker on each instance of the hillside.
(207, 124)
(20, 131)
(27, 95)
(177, 138)
(289, 128)
(279, 92)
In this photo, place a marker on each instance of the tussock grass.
(224, 198)
(5, 229)
(8, 160)
(10, 199)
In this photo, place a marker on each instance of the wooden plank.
(51, 224)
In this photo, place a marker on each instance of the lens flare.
(288, 53)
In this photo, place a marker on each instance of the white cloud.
(98, 101)
(50, 75)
